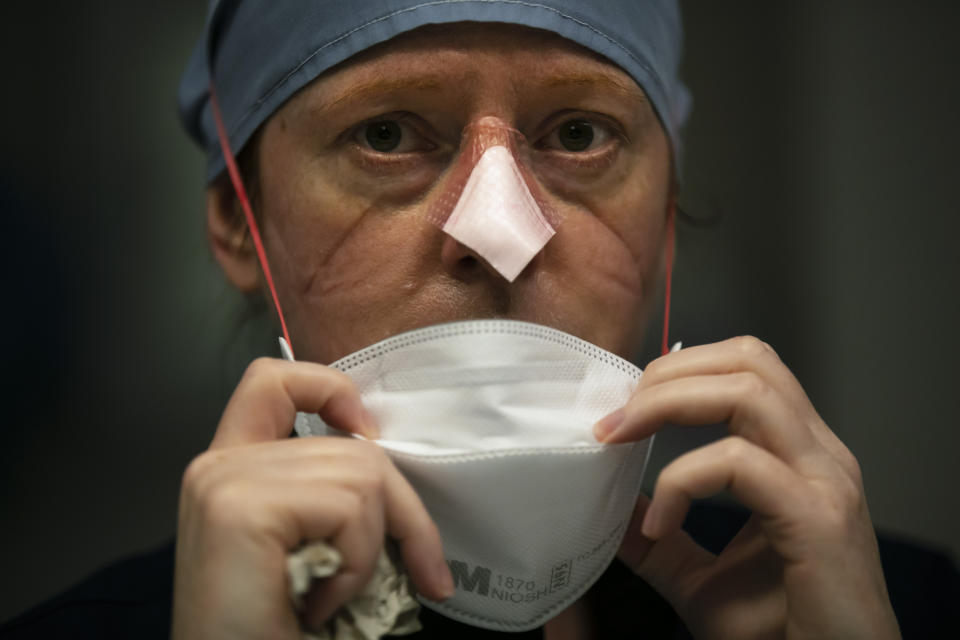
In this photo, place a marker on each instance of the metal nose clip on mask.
(492, 204)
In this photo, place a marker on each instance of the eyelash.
(408, 129)
(598, 155)
(554, 135)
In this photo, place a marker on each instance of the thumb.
(671, 565)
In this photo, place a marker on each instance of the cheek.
(595, 260)
(594, 279)
(321, 229)
(614, 235)
(321, 243)
(605, 261)
(345, 287)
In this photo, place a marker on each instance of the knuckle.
(653, 369)
(735, 449)
(224, 503)
(218, 492)
(840, 507)
(753, 347)
(831, 517)
(368, 481)
(333, 380)
(749, 345)
(260, 368)
(670, 478)
(750, 386)
(196, 476)
(835, 517)
(851, 465)
(849, 492)
(341, 382)
(352, 505)
(262, 373)
(196, 469)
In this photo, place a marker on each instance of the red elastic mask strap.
(247, 211)
(668, 277)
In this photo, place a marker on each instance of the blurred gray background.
(826, 133)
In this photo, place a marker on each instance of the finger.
(670, 565)
(256, 505)
(359, 541)
(744, 353)
(248, 489)
(265, 403)
(747, 353)
(409, 523)
(755, 477)
(744, 401)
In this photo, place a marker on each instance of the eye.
(576, 135)
(391, 136)
(383, 136)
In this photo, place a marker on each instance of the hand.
(256, 495)
(806, 564)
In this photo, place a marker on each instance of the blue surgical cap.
(260, 52)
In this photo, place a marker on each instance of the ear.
(229, 237)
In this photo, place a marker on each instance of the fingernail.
(608, 425)
(651, 522)
(370, 424)
(447, 588)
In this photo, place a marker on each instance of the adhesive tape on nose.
(497, 215)
(491, 203)
(491, 423)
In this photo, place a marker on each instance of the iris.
(575, 135)
(383, 136)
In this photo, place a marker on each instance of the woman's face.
(349, 167)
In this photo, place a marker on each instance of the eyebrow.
(383, 86)
(380, 87)
(599, 80)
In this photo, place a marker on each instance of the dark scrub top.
(132, 598)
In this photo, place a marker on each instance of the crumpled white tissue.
(385, 605)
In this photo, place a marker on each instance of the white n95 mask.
(491, 422)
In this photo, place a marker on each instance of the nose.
(496, 219)
(463, 263)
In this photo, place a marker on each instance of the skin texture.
(806, 564)
(356, 260)
(330, 207)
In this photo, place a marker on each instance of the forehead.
(460, 57)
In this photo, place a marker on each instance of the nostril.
(469, 264)
(461, 262)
